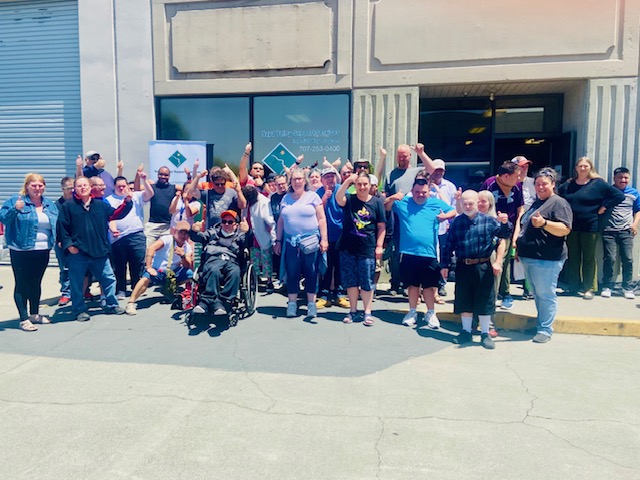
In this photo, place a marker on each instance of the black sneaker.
(463, 338)
(487, 342)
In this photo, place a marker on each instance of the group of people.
(328, 230)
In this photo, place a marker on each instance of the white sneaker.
(605, 293)
(292, 309)
(121, 295)
(432, 320)
(131, 309)
(629, 295)
(410, 319)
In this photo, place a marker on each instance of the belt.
(473, 261)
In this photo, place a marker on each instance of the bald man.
(473, 237)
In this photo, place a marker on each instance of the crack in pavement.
(377, 446)
(528, 416)
(582, 449)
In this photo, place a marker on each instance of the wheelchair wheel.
(250, 290)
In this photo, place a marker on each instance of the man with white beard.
(473, 237)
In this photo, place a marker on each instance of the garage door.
(40, 121)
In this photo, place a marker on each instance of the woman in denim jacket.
(30, 232)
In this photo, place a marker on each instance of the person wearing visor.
(169, 252)
(223, 250)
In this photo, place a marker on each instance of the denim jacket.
(21, 227)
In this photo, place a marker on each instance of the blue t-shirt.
(418, 225)
(334, 214)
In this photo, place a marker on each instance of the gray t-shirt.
(218, 203)
(400, 180)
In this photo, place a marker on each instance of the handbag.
(309, 244)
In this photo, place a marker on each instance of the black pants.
(128, 250)
(220, 282)
(28, 269)
(332, 273)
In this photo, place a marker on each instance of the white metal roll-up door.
(40, 117)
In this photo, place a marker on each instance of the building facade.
(476, 82)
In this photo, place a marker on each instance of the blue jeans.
(65, 283)
(299, 265)
(543, 275)
(79, 265)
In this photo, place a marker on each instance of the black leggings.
(28, 269)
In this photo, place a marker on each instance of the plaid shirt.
(473, 237)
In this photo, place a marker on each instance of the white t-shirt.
(44, 232)
(133, 222)
(181, 213)
(161, 258)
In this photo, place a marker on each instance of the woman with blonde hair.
(30, 232)
(589, 197)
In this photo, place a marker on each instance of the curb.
(562, 324)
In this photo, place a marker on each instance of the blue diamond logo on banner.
(279, 158)
(177, 158)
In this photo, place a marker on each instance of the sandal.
(439, 300)
(27, 326)
(368, 320)
(41, 319)
(349, 318)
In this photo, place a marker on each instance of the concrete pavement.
(142, 397)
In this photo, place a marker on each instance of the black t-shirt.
(274, 201)
(163, 193)
(360, 225)
(538, 243)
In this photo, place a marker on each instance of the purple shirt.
(508, 204)
(299, 216)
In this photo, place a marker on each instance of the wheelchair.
(243, 305)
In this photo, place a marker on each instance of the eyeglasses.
(219, 184)
(227, 222)
(164, 174)
(95, 157)
(183, 231)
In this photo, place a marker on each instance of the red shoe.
(493, 333)
(63, 301)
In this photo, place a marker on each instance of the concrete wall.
(116, 65)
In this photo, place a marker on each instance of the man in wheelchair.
(220, 268)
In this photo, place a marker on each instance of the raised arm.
(382, 163)
(341, 197)
(148, 192)
(244, 164)
(422, 155)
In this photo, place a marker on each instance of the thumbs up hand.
(502, 217)
(19, 203)
(537, 220)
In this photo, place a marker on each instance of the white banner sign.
(175, 155)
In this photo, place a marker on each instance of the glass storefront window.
(223, 122)
(315, 126)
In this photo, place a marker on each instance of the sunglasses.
(95, 157)
(361, 165)
(227, 222)
(219, 184)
